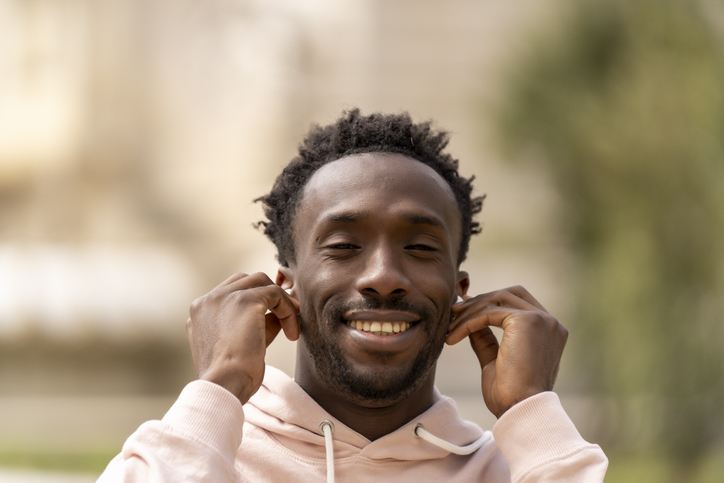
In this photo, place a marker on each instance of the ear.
(285, 278)
(461, 288)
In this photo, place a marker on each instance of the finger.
(293, 300)
(485, 345)
(501, 298)
(273, 326)
(270, 297)
(245, 282)
(275, 299)
(475, 320)
(522, 293)
(232, 279)
(285, 308)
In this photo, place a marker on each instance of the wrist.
(237, 382)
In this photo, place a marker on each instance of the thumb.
(485, 345)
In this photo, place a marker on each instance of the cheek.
(322, 281)
(438, 285)
(315, 292)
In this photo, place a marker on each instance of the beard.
(370, 388)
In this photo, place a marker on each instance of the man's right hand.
(230, 329)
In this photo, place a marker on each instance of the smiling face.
(376, 238)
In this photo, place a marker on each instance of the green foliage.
(625, 106)
(651, 467)
(92, 461)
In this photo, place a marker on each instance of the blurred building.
(134, 135)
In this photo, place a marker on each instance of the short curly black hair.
(354, 133)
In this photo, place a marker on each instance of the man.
(371, 222)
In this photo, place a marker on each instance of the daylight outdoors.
(135, 135)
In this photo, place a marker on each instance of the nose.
(383, 273)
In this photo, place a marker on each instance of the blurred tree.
(625, 106)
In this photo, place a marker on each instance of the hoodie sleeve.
(196, 440)
(541, 444)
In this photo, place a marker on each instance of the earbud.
(288, 291)
(459, 300)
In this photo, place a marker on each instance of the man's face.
(376, 238)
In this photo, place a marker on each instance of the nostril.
(383, 273)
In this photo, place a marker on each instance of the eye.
(342, 246)
(420, 246)
(340, 251)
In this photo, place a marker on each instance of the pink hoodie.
(201, 439)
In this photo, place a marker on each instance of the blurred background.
(134, 135)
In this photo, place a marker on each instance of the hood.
(292, 418)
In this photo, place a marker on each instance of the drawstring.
(419, 432)
(327, 428)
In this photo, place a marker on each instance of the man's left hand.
(526, 360)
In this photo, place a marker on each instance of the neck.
(371, 419)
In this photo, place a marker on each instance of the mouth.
(380, 322)
(379, 328)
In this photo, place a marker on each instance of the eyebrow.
(411, 218)
(423, 220)
(347, 217)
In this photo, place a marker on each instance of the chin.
(374, 387)
(375, 383)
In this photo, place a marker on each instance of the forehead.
(378, 184)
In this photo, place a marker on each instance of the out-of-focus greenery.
(92, 461)
(647, 467)
(624, 104)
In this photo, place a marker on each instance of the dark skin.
(377, 236)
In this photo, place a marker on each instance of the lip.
(368, 341)
(381, 316)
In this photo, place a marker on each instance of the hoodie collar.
(292, 417)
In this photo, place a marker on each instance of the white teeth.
(380, 328)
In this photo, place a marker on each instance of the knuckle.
(196, 305)
(539, 320)
(260, 278)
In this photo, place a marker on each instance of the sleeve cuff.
(210, 414)
(535, 431)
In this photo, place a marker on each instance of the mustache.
(334, 310)
(337, 308)
(376, 304)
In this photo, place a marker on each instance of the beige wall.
(135, 133)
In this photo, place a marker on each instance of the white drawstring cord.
(327, 428)
(419, 431)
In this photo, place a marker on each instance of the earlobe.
(463, 283)
(285, 278)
